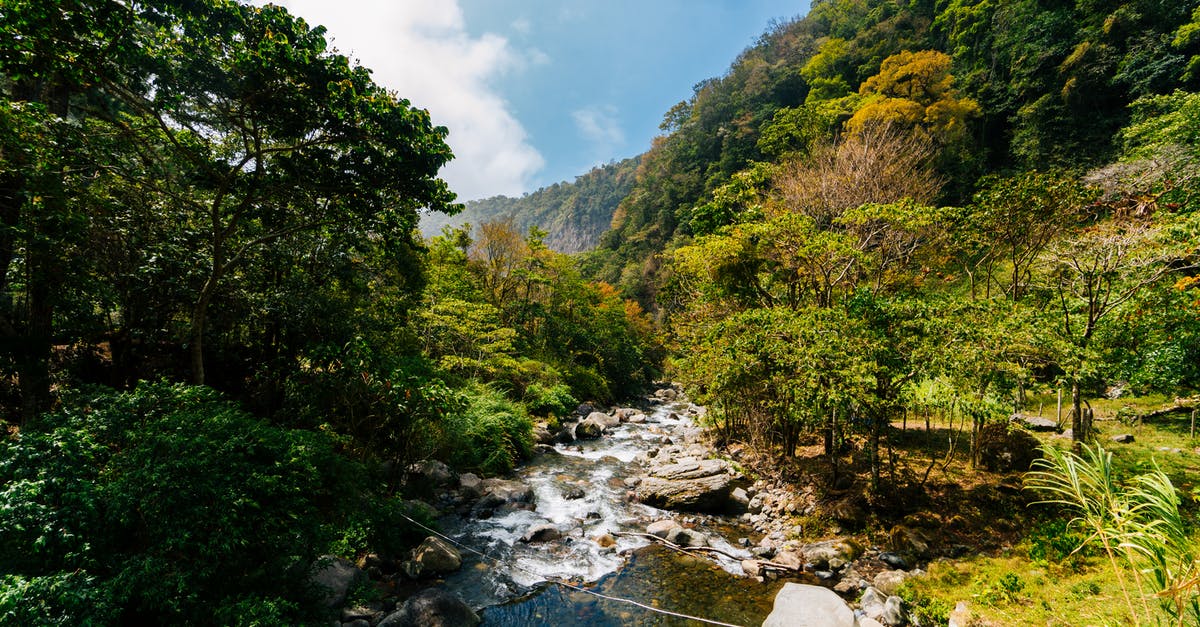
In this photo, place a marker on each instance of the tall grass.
(1138, 526)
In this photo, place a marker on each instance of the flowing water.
(581, 490)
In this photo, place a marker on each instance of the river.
(583, 489)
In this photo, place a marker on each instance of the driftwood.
(699, 549)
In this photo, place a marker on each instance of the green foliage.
(389, 407)
(167, 504)
(555, 401)
(490, 435)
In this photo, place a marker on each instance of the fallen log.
(700, 549)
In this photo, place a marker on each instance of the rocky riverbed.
(629, 502)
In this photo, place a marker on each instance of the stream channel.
(581, 489)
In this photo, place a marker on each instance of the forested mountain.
(573, 214)
(1039, 85)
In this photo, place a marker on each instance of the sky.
(539, 91)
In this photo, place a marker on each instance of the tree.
(914, 90)
(1091, 274)
(279, 136)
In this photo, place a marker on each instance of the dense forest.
(574, 215)
(225, 340)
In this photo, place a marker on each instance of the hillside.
(573, 214)
(1045, 85)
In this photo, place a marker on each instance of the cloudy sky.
(539, 91)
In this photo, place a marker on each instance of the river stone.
(893, 560)
(739, 500)
(691, 470)
(603, 419)
(704, 494)
(661, 528)
(605, 540)
(637, 419)
(889, 581)
(470, 484)
(752, 568)
(502, 491)
(435, 557)
(590, 429)
(623, 414)
(584, 409)
(334, 577)
(686, 537)
(431, 472)
(872, 603)
(788, 559)
(541, 533)
(820, 554)
(867, 621)
(542, 435)
(893, 612)
(802, 605)
(432, 607)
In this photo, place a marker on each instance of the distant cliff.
(574, 214)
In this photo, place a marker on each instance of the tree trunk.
(1078, 425)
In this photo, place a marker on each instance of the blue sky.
(539, 91)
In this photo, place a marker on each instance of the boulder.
(541, 533)
(1036, 423)
(566, 433)
(822, 554)
(433, 607)
(499, 492)
(333, 577)
(703, 494)
(686, 537)
(584, 409)
(1124, 438)
(603, 419)
(637, 419)
(431, 472)
(889, 581)
(752, 568)
(433, 557)
(872, 603)
(589, 429)
(623, 414)
(605, 540)
(543, 435)
(470, 484)
(801, 605)
(666, 394)
(893, 612)
(866, 621)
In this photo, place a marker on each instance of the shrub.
(169, 505)
(555, 401)
(491, 435)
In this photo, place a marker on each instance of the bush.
(555, 401)
(168, 504)
(491, 435)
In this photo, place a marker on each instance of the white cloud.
(522, 25)
(598, 124)
(422, 50)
